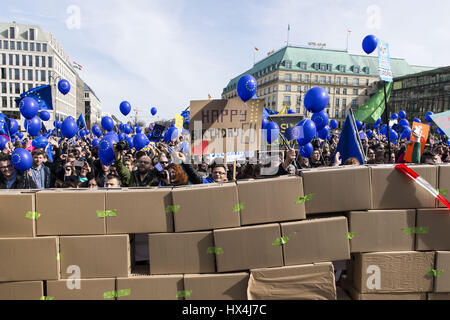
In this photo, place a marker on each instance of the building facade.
(421, 92)
(93, 107)
(31, 57)
(286, 75)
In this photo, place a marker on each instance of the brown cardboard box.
(172, 253)
(96, 256)
(13, 209)
(439, 296)
(23, 259)
(143, 287)
(315, 240)
(89, 289)
(305, 282)
(382, 230)
(248, 247)
(271, 200)
(225, 286)
(70, 212)
(442, 282)
(438, 223)
(401, 271)
(386, 296)
(206, 207)
(337, 190)
(25, 290)
(391, 189)
(139, 211)
(444, 181)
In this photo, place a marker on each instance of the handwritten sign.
(419, 132)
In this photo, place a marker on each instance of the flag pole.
(386, 118)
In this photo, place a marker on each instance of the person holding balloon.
(12, 178)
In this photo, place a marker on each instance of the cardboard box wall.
(271, 200)
(174, 253)
(139, 211)
(145, 287)
(89, 289)
(205, 207)
(25, 290)
(104, 256)
(337, 190)
(315, 240)
(13, 209)
(225, 286)
(356, 295)
(382, 230)
(23, 259)
(444, 181)
(439, 296)
(304, 282)
(442, 282)
(70, 212)
(438, 223)
(247, 248)
(402, 271)
(391, 189)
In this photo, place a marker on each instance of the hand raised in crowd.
(337, 160)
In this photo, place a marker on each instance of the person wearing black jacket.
(11, 178)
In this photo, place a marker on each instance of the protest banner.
(284, 122)
(419, 132)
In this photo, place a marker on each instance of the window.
(24, 60)
(355, 103)
(43, 75)
(274, 100)
(344, 91)
(367, 82)
(338, 90)
(342, 68)
(336, 113)
(5, 44)
(3, 87)
(316, 78)
(356, 82)
(356, 69)
(297, 110)
(355, 91)
(30, 86)
(12, 45)
(25, 46)
(274, 88)
(1, 44)
(32, 34)
(337, 102)
(44, 47)
(329, 90)
(287, 88)
(323, 67)
(306, 77)
(329, 79)
(31, 46)
(3, 73)
(19, 45)
(38, 47)
(344, 102)
(343, 114)
(3, 58)
(345, 80)
(43, 61)
(12, 32)
(17, 88)
(36, 75)
(11, 60)
(338, 80)
(17, 60)
(300, 77)
(299, 88)
(303, 65)
(329, 67)
(36, 64)
(287, 100)
(265, 91)
(16, 74)
(288, 77)
(23, 74)
(288, 64)
(299, 100)
(323, 79)
(30, 61)
(4, 102)
(316, 66)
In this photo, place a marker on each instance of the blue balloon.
(40, 142)
(34, 126)
(417, 120)
(107, 123)
(378, 121)
(406, 134)
(3, 142)
(125, 107)
(307, 132)
(383, 129)
(290, 111)
(369, 133)
(323, 134)
(316, 99)
(13, 126)
(96, 130)
(153, 111)
(333, 124)
(246, 87)
(57, 124)
(171, 134)
(272, 132)
(427, 116)
(105, 149)
(369, 44)
(130, 142)
(403, 123)
(448, 142)
(63, 86)
(69, 128)
(44, 115)
(320, 119)
(28, 108)
(122, 136)
(21, 159)
(402, 114)
(394, 116)
(20, 135)
(127, 129)
(95, 142)
(186, 124)
(138, 130)
(140, 141)
(306, 150)
(393, 136)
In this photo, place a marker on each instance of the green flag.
(374, 108)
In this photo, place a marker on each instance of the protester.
(40, 173)
(11, 178)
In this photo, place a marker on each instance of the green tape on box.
(47, 298)
(106, 213)
(443, 192)
(32, 215)
(58, 256)
(215, 250)
(350, 235)
(418, 230)
(281, 241)
(435, 273)
(303, 199)
(123, 293)
(238, 207)
(173, 208)
(109, 295)
(184, 294)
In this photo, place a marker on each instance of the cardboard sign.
(419, 131)
(219, 126)
(442, 120)
(179, 121)
(384, 61)
(284, 122)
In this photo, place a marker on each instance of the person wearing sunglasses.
(11, 178)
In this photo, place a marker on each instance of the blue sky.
(166, 53)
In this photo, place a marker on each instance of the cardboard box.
(96, 256)
(439, 296)
(13, 220)
(248, 248)
(355, 295)
(442, 282)
(438, 223)
(143, 287)
(271, 200)
(444, 181)
(206, 207)
(89, 289)
(70, 212)
(25, 290)
(172, 253)
(23, 259)
(337, 190)
(226, 286)
(382, 230)
(139, 211)
(391, 189)
(315, 240)
(392, 272)
(305, 282)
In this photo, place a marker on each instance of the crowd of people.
(76, 163)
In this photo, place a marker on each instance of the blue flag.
(157, 133)
(80, 122)
(42, 94)
(49, 151)
(350, 145)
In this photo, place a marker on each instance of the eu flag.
(157, 133)
(42, 94)
(80, 122)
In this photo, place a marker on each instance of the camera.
(161, 174)
(122, 145)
